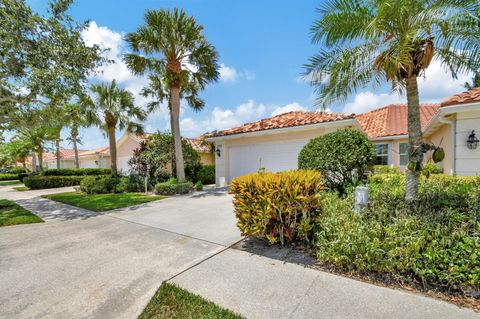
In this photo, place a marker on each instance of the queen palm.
(172, 47)
(368, 42)
(113, 108)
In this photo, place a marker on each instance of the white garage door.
(274, 157)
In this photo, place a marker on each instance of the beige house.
(273, 144)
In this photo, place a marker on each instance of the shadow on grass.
(51, 210)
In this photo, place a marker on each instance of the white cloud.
(249, 75)
(227, 74)
(288, 108)
(434, 87)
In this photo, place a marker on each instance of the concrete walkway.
(82, 264)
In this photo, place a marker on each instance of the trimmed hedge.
(278, 207)
(343, 157)
(41, 182)
(206, 175)
(21, 176)
(100, 184)
(173, 187)
(8, 177)
(76, 171)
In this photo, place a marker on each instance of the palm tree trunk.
(34, 162)
(57, 151)
(40, 158)
(172, 164)
(175, 114)
(113, 149)
(74, 136)
(415, 139)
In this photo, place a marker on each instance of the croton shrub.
(278, 207)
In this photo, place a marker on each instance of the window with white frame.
(382, 154)
(403, 154)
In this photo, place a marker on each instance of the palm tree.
(172, 46)
(76, 118)
(368, 42)
(475, 82)
(113, 108)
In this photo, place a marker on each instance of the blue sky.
(262, 47)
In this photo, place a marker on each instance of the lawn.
(21, 188)
(13, 214)
(102, 202)
(173, 302)
(10, 183)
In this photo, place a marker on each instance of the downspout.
(453, 124)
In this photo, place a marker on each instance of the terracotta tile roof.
(198, 143)
(290, 119)
(64, 154)
(104, 150)
(391, 120)
(470, 96)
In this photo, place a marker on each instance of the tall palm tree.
(172, 46)
(368, 42)
(76, 118)
(113, 108)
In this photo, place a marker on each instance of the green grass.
(173, 302)
(21, 188)
(13, 214)
(102, 202)
(10, 183)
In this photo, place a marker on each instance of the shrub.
(192, 170)
(101, 184)
(384, 169)
(172, 187)
(436, 243)
(76, 171)
(278, 207)
(21, 176)
(8, 177)
(431, 168)
(17, 170)
(198, 186)
(343, 157)
(207, 174)
(41, 182)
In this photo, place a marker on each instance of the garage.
(273, 157)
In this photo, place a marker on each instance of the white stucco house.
(274, 143)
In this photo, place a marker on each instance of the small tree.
(343, 157)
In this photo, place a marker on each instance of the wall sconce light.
(218, 151)
(472, 141)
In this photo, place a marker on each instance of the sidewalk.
(261, 287)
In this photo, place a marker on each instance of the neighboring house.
(273, 144)
(67, 159)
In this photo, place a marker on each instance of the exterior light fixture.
(218, 151)
(472, 141)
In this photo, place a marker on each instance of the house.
(273, 143)
(100, 157)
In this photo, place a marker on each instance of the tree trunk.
(172, 164)
(57, 151)
(175, 114)
(40, 158)
(34, 162)
(113, 149)
(74, 136)
(415, 139)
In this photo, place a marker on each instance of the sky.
(263, 46)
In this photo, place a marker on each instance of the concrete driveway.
(107, 265)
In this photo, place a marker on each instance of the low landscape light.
(472, 141)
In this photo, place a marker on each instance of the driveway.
(106, 265)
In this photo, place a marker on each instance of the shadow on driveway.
(50, 210)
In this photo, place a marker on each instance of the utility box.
(361, 198)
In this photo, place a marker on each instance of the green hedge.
(40, 182)
(8, 177)
(76, 171)
(279, 207)
(435, 242)
(112, 184)
(206, 175)
(172, 187)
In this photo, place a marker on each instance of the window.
(382, 154)
(403, 152)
